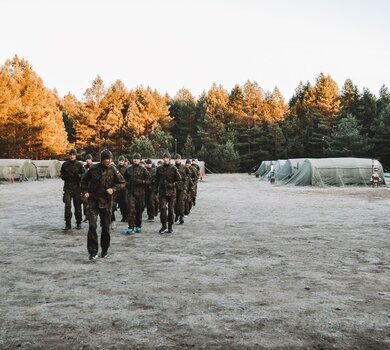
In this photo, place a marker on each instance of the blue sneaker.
(130, 231)
(138, 230)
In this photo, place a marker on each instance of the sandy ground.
(254, 266)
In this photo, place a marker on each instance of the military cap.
(148, 161)
(137, 156)
(167, 155)
(88, 156)
(178, 156)
(188, 161)
(121, 158)
(73, 151)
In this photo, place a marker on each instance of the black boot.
(163, 229)
(78, 226)
(181, 222)
(176, 218)
(170, 230)
(67, 227)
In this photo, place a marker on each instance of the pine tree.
(189, 148)
(346, 139)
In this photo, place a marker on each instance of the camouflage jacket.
(71, 173)
(152, 171)
(167, 177)
(136, 177)
(185, 174)
(100, 178)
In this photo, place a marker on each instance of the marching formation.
(102, 188)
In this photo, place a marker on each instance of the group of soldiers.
(162, 187)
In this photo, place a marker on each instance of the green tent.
(264, 168)
(288, 169)
(13, 168)
(336, 172)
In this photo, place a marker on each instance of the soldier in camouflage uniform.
(71, 172)
(136, 177)
(99, 184)
(121, 195)
(150, 195)
(181, 189)
(167, 177)
(88, 164)
(191, 187)
(195, 193)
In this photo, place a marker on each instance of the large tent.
(336, 172)
(264, 168)
(288, 169)
(14, 168)
(48, 168)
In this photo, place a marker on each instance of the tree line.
(231, 130)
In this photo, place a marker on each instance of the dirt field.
(254, 266)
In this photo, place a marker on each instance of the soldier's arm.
(177, 176)
(63, 171)
(157, 180)
(85, 179)
(119, 181)
(147, 177)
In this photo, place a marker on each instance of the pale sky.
(170, 44)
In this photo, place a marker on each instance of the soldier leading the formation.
(167, 177)
(136, 177)
(99, 184)
(71, 172)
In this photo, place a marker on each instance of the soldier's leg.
(92, 240)
(156, 204)
(131, 210)
(105, 238)
(68, 206)
(163, 210)
(180, 206)
(77, 206)
(171, 208)
(140, 207)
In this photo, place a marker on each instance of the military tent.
(48, 168)
(264, 168)
(14, 168)
(335, 172)
(288, 169)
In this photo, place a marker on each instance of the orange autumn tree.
(31, 123)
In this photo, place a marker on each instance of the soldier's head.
(188, 163)
(178, 159)
(106, 157)
(136, 158)
(159, 163)
(167, 158)
(148, 163)
(121, 160)
(126, 162)
(72, 154)
(193, 161)
(88, 159)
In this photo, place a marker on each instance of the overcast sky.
(170, 44)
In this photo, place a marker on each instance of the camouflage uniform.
(191, 189)
(96, 181)
(181, 191)
(121, 195)
(196, 169)
(150, 195)
(85, 201)
(167, 177)
(71, 173)
(136, 178)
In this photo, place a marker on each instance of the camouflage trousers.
(105, 220)
(150, 199)
(75, 195)
(136, 206)
(167, 208)
(181, 196)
